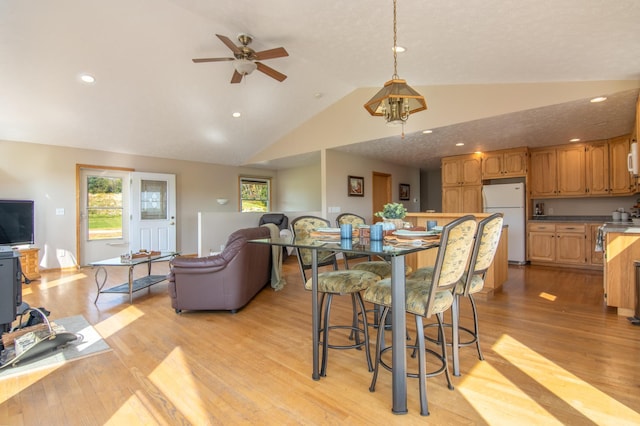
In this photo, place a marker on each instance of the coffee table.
(132, 285)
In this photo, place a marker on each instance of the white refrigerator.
(509, 199)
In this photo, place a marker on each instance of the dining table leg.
(398, 338)
(315, 320)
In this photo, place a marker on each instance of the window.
(104, 207)
(255, 194)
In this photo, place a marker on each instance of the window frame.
(251, 179)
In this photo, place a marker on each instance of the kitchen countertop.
(624, 227)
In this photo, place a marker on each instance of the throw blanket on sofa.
(277, 281)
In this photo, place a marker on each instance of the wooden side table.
(29, 259)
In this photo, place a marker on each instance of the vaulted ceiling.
(149, 98)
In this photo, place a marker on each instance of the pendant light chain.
(395, 45)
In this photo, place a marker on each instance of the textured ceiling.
(150, 99)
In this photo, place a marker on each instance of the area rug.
(91, 343)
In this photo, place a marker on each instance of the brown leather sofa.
(226, 281)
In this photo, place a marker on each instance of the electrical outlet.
(550, 210)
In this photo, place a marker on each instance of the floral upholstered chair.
(428, 297)
(301, 228)
(355, 222)
(484, 250)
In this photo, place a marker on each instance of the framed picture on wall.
(355, 186)
(405, 191)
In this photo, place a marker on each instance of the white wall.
(47, 175)
(214, 228)
(340, 165)
(299, 189)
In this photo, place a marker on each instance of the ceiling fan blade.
(211, 60)
(231, 45)
(270, 72)
(236, 78)
(278, 52)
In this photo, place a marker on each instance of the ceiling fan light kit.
(245, 66)
(246, 59)
(396, 101)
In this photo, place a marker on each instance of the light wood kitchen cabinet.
(568, 244)
(462, 199)
(543, 173)
(571, 172)
(571, 244)
(542, 242)
(558, 172)
(462, 184)
(597, 168)
(622, 250)
(621, 181)
(462, 170)
(505, 163)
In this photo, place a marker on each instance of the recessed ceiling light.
(599, 99)
(236, 114)
(460, 144)
(574, 140)
(426, 132)
(399, 49)
(88, 78)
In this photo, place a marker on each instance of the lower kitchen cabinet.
(562, 243)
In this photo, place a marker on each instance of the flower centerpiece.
(393, 213)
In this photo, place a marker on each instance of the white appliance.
(632, 159)
(509, 199)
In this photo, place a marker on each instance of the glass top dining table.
(392, 250)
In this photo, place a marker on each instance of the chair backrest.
(351, 218)
(484, 250)
(301, 228)
(279, 219)
(453, 256)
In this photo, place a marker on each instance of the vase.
(397, 223)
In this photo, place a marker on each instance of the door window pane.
(104, 208)
(153, 200)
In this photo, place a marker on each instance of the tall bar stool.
(301, 228)
(484, 250)
(355, 221)
(344, 282)
(425, 298)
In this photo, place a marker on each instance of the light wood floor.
(554, 354)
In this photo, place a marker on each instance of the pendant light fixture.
(396, 100)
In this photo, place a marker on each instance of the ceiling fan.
(246, 59)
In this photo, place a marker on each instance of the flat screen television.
(16, 222)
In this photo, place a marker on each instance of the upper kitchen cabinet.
(462, 199)
(462, 170)
(505, 163)
(598, 168)
(621, 181)
(571, 170)
(558, 171)
(582, 170)
(543, 180)
(462, 184)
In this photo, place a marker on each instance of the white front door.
(153, 212)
